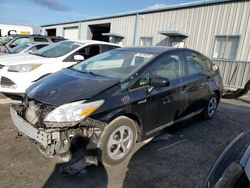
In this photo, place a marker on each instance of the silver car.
(25, 48)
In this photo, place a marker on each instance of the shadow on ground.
(95, 176)
(180, 157)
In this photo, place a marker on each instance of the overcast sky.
(38, 12)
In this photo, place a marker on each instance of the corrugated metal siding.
(125, 27)
(202, 23)
(235, 74)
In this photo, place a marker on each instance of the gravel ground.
(178, 158)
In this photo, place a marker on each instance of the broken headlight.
(70, 114)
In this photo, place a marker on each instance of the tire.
(243, 182)
(117, 141)
(211, 107)
(232, 176)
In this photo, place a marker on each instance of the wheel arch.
(218, 93)
(134, 117)
(138, 123)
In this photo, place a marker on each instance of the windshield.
(5, 40)
(115, 64)
(19, 48)
(58, 49)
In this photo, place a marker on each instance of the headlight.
(70, 114)
(23, 68)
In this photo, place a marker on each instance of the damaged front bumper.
(41, 136)
(54, 141)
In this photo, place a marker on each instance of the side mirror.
(159, 82)
(12, 45)
(78, 58)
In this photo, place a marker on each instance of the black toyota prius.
(119, 98)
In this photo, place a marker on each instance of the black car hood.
(67, 86)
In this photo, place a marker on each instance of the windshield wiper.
(85, 72)
(94, 74)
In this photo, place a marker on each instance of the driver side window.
(86, 52)
(169, 67)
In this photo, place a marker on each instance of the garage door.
(71, 33)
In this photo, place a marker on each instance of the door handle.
(184, 89)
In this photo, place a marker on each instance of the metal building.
(219, 29)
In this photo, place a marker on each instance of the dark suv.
(118, 98)
(11, 41)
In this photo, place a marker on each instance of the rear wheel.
(118, 140)
(211, 107)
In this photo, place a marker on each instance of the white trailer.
(6, 30)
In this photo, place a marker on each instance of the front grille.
(6, 82)
(1, 66)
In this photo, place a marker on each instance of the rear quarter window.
(197, 63)
(207, 61)
(57, 39)
(40, 39)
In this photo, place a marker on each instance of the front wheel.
(211, 107)
(118, 140)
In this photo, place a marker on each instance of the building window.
(226, 47)
(146, 41)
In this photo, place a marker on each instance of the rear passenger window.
(167, 67)
(40, 39)
(195, 64)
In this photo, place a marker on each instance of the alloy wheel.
(212, 105)
(120, 142)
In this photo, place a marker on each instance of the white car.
(18, 72)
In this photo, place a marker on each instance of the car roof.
(152, 49)
(23, 35)
(94, 42)
(39, 43)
